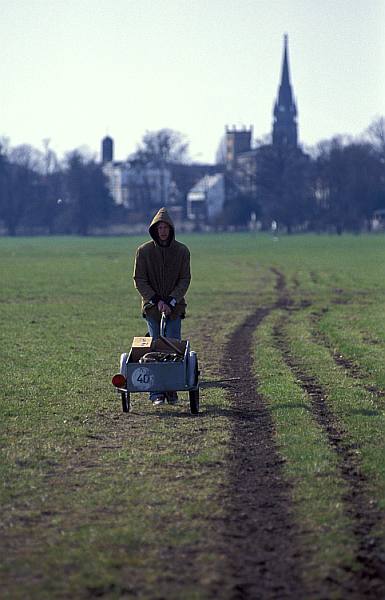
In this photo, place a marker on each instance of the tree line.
(336, 186)
(38, 193)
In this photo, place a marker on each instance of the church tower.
(107, 149)
(285, 110)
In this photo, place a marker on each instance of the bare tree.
(87, 195)
(349, 184)
(376, 134)
(161, 147)
(283, 185)
(19, 184)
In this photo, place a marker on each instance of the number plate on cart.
(142, 378)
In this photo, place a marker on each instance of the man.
(162, 277)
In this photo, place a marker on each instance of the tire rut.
(260, 533)
(369, 579)
(347, 364)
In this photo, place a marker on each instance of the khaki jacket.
(162, 272)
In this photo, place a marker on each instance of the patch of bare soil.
(259, 531)
(368, 581)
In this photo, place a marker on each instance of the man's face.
(163, 231)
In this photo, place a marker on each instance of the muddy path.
(368, 581)
(259, 529)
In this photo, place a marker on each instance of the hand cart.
(176, 369)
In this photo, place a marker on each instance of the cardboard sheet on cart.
(142, 345)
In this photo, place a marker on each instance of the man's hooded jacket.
(162, 272)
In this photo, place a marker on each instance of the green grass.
(92, 499)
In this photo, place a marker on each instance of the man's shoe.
(172, 397)
(158, 400)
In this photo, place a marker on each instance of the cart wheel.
(194, 401)
(192, 369)
(125, 401)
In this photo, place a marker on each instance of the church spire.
(285, 110)
(285, 78)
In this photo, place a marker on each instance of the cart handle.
(163, 337)
(163, 324)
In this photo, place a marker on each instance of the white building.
(136, 186)
(116, 174)
(206, 199)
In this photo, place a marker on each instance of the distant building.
(285, 109)
(195, 190)
(237, 141)
(116, 174)
(148, 186)
(206, 199)
(142, 187)
(242, 157)
(240, 154)
(137, 186)
(107, 149)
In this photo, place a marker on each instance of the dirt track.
(263, 556)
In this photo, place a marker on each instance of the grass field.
(97, 503)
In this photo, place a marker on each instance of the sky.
(73, 71)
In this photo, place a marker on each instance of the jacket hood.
(161, 215)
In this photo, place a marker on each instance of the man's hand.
(163, 307)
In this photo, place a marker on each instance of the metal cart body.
(181, 375)
(162, 376)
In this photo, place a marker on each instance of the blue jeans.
(173, 330)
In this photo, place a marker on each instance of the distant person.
(162, 277)
(274, 230)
